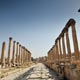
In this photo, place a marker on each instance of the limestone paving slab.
(37, 72)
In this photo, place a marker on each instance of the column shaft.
(24, 54)
(75, 42)
(27, 56)
(9, 51)
(21, 55)
(17, 52)
(3, 54)
(57, 50)
(63, 46)
(60, 49)
(68, 44)
(14, 52)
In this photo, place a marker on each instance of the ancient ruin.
(59, 58)
(67, 64)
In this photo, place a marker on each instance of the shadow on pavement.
(54, 74)
(23, 76)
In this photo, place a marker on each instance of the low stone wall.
(72, 72)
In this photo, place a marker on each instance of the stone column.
(54, 52)
(57, 50)
(48, 56)
(63, 46)
(14, 52)
(9, 51)
(68, 44)
(3, 54)
(30, 57)
(24, 55)
(60, 49)
(17, 52)
(52, 55)
(27, 56)
(75, 42)
(21, 55)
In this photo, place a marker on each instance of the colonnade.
(17, 54)
(62, 49)
(60, 56)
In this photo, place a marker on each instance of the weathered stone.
(63, 47)
(14, 53)
(75, 42)
(68, 44)
(9, 51)
(17, 52)
(3, 54)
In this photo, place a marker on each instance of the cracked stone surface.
(37, 72)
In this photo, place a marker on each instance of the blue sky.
(36, 23)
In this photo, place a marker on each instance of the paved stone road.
(37, 72)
